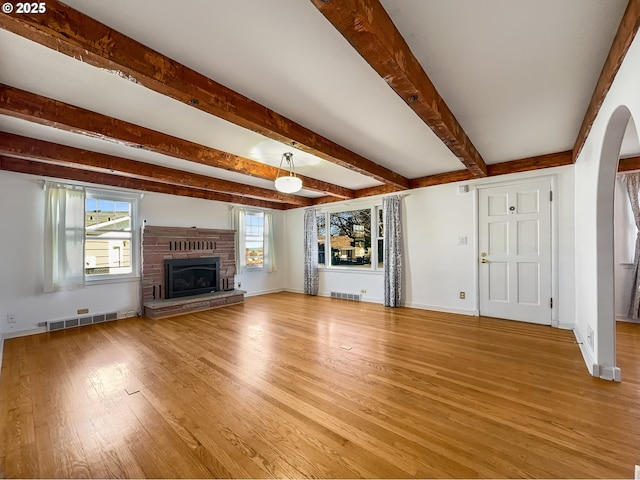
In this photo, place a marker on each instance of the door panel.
(499, 282)
(528, 231)
(515, 251)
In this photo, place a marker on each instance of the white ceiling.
(517, 74)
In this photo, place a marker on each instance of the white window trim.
(373, 269)
(104, 194)
(253, 268)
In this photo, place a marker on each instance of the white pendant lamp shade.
(288, 183)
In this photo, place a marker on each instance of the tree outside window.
(351, 238)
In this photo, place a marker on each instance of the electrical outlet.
(11, 318)
(590, 336)
(463, 295)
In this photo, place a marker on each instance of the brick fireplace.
(175, 243)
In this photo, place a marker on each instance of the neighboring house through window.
(110, 239)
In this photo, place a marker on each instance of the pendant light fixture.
(288, 183)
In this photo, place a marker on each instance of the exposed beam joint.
(622, 41)
(46, 111)
(369, 29)
(74, 34)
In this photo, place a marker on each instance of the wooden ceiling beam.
(369, 29)
(74, 34)
(522, 165)
(621, 42)
(30, 148)
(46, 111)
(32, 167)
(629, 164)
(532, 163)
(442, 178)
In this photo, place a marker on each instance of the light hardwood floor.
(266, 389)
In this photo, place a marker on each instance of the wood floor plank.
(266, 390)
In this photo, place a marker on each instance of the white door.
(515, 251)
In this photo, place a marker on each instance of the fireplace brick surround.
(160, 243)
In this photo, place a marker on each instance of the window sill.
(107, 280)
(350, 270)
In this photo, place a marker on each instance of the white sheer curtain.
(269, 244)
(64, 237)
(239, 225)
(392, 257)
(632, 182)
(311, 275)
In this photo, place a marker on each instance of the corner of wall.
(592, 366)
(599, 371)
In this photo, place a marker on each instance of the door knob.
(484, 260)
(483, 254)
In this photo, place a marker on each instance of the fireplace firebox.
(191, 276)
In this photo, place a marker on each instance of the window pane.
(254, 239)
(107, 215)
(351, 238)
(107, 256)
(322, 237)
(380, 253)
(107, 237)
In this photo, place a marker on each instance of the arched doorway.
(605, 276)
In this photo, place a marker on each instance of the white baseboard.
(592, 366)
(611, 373)
(264, 292)
(24, 333)
(600, 371)
(566, 326)
(436, 308)
(622, 318)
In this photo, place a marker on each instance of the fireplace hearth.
(191, 276)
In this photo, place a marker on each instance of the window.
(254, 239)
(349, 241)
(109, 236)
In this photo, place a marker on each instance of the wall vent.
(79, 322)
(347, 296)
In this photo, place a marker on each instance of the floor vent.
(347, 296)
(81, 321)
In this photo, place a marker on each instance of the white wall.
(22, 255)
(437, 268)
(594, 306)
